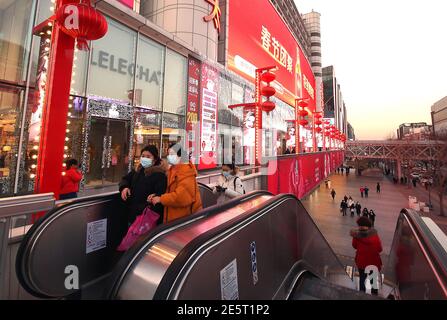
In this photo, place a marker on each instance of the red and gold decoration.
(214, 14)
(82, 22)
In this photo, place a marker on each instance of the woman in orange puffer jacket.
(182, 196)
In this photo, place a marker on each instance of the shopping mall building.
(165, 71)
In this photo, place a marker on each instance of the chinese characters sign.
(214, 14)
(258, 37)
(192, 127)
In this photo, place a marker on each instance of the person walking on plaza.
(362, 191)
(378, 187)
(70, 180)
(366, 242)
(344, 207)
(350, 202)
(182, 196)
(149, 177)
(352, 209)
(333, 193)
(365, 213)
(342, 170)
(366, 191)
(372, 217)
(358, 208)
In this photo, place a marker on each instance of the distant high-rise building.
(351, 133)
(439, 116)
(414, 131)
(334, 106)
(312, 23)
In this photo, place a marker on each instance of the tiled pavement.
(335, 227)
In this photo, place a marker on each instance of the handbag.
(144, 223)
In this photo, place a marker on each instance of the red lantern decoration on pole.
(268, 91)
(82, 22)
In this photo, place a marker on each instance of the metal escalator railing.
(189, 262)
(417, 266)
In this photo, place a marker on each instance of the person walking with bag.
(149, 177)
(366, 242)
(229, 185)
(182, 196)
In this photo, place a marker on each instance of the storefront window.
(112, 65)
(224, 98)
(10, 106)
(174, 100)
(173, 131)
(15, 36)
(146, 130)
(149, 80)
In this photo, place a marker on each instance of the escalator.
(84, 233)
(256, 247)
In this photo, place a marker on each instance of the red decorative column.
(54, 118)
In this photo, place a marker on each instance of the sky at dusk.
(390, 58)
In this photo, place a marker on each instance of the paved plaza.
(387, 206)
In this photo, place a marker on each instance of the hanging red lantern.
(268, 106)
(304, 122)
(318, 130)
(303, 113)
(318, 115)
(303, 103)
(268, 76)
(318, 122)
(82, 22)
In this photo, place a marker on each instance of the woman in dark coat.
(148, 178)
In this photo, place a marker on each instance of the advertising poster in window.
(208, 119)
(192, 112)
(258, 37)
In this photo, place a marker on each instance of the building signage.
(127, 3)
(192, 111)
(214, 14)
(258, 37)
(112, 63)
(208, 119)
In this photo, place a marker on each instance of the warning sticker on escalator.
(96, 235)
(228, 282)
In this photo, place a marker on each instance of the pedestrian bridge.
(396, 149)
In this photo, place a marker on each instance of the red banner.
(258, 37)
(127, 3)
(208, 119)
(301, 174)
(193, 108)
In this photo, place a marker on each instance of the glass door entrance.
(107, 152)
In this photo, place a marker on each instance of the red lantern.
(268, 91)
(318, 130)
(268, 106)
(82, 22)
(303, 103)
(318, 115)
(318, 122)
(304, 122)
(303, 113)
(268, 77)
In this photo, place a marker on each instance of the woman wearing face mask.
(182, 196)
(148, 178)
(229, 185)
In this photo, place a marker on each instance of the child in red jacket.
(70, 181)
(368, 245)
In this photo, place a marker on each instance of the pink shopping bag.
(144, 223)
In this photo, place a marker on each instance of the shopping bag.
(144, 223)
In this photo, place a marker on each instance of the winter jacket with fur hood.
(142, 183)
(368, 246)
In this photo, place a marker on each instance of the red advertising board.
(208, 119)
(193, 109)
(127, 3)
(301, 174)
(258, 37)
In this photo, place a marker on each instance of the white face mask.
(173, 159)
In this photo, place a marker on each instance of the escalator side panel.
(409, 268)
(60, 239)
(276, 252)
(206, 194)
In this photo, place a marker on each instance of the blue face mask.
(173, 159)
(226, 174)
(146, 162)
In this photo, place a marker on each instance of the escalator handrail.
(186, 255)
(133, 254)
(35, 231)
(434, 253)
(205, 186)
